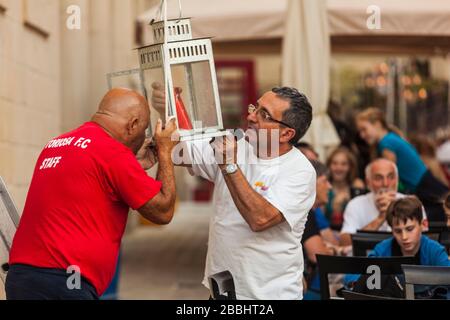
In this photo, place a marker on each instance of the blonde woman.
(345, 183)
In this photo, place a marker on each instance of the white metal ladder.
(9, 221)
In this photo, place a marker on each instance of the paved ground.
(160, 263)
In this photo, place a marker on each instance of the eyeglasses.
(265, 115)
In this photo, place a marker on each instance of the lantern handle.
(180, 9)
(160, 11)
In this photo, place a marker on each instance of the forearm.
(314, 246)
(166, 175)
(256, 211)
(345, 239)
(374, 225)
(160, 209)
(328, 236)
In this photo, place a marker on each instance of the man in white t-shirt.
(262, 197)
(368, 212)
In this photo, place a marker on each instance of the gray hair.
(299, 115)
(368, 170)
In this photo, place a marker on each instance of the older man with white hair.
(368, 212)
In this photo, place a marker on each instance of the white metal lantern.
(181, 62)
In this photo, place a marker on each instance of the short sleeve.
(294, 196)
(322, 222)
(311, 228)
(439, 255)
(351, 224)
(201, 158)
(386, 144)
(130, 182)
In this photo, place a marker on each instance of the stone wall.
(30, 86)
(52, 78)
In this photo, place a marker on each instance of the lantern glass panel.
(151, 76)
(197, 94)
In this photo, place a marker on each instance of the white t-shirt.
(361, 211)
(265, 265)
(443, 153)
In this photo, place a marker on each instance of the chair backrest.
(375, 233)
(356, 265)
(433, 235)
(350, 295)
(365, 241)
(445, 238)
(424, 275)
(437, 226)
(222, 286)
(362, 243)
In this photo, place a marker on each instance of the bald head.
(382, 173)
(123, 102)
(125, 115)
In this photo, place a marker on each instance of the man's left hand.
(147, 155)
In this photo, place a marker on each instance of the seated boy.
(405, 217)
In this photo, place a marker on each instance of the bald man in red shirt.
(84, 183)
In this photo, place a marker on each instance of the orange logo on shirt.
(261, 185)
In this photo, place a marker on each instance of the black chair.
(424, 275)
(433, 235)
(362, 243)
(374, 232)
(350, 295)
(437, 226)
(356, 265)
(222, 286)
(445, 239)
(365, 241)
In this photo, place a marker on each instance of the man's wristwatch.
(230, 169)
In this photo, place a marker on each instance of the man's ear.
(287, 135)
(133, 125)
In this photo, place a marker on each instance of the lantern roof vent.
(178, 30)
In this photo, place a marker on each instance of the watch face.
(231, 168)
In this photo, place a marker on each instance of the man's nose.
(252, 117)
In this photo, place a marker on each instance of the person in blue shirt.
(405, 216)
(414, 175)
(317, 236)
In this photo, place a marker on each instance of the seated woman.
(345, 185)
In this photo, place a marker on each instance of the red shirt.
(78, 202)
